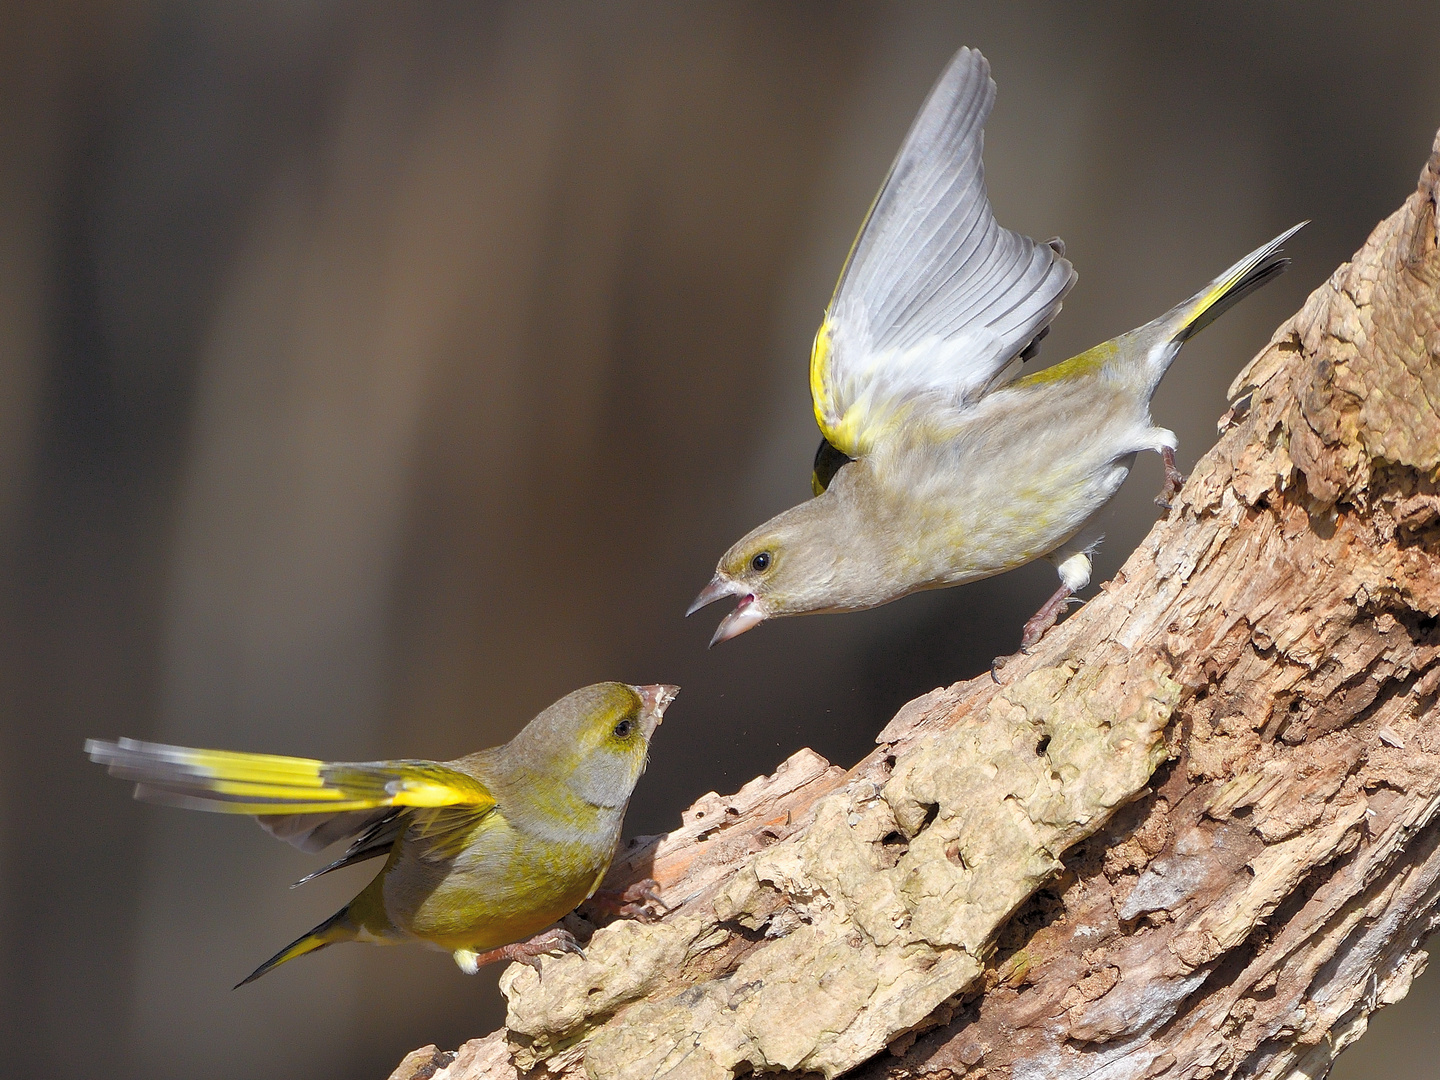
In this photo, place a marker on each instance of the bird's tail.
(268, 785)
(339, 927)
(1264, 263)
(1145, 353)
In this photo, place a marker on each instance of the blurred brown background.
(375, 374)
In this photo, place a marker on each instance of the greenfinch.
(480, 853)
(939, 463)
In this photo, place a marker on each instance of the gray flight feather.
(936, 297)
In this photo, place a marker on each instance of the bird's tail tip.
(336, 928)
(1266, 262)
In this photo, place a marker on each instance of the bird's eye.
(622, 729)
(761, 562)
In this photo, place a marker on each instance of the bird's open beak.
(656, 698)
(746, 614)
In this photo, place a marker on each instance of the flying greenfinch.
(480, 853)
(939, 463)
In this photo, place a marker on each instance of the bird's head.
(595, 739)
(788, 566)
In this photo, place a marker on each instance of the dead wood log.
(1193, 835)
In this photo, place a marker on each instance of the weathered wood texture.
(1193, 835)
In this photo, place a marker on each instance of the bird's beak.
(747, 614)
(719, 588)
(656, 698)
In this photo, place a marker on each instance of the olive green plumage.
(940, 464)
(480, 852)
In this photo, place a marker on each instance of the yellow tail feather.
(237, 783)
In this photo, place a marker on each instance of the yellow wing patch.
(851, 432)
(822, 393)
(235, 783)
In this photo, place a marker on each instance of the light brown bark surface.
(1192, 835)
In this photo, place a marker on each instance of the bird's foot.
(639, 901)
(1174, 480)
(526, 952)
(1035, 628)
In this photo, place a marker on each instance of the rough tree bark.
(1193, 835)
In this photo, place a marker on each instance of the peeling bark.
(1193, 835)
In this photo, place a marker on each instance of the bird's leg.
(1173, 479)
(1045, 618)
(1073, 564)
(1035, 627)
(527, 952)
(634, 902)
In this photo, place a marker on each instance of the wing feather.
(316, 832)
(268, 785)
(935, 299)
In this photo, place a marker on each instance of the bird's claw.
(997, 664)
(552, 941)
(565, 943)
(523, 952)
(633, 902)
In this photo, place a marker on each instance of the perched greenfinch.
(480, 853)
(939, 463)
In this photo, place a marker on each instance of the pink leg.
(527, 952)
(1173, 479)
(1036, 626)
(1045, 618)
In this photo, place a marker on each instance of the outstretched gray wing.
(936, 298)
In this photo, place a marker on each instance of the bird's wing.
(371, 840)
(438, 834)
(345, 798)
(316, 832)
(936, 299)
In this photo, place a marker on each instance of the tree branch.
(1007, 886)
